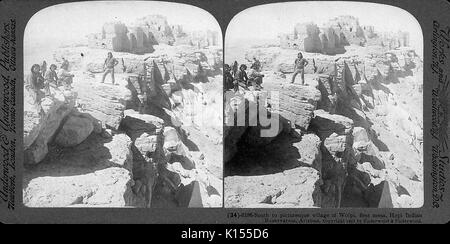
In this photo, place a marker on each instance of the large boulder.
(42, 122)
(309, 149)
(172, 142)
(75, 130)
(145, 130)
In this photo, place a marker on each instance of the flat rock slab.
(298, 187)
(108, 187)
(105, 102)
(296, 102)
(326, 124)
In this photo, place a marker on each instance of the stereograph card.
(225, 112)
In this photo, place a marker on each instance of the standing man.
(108, 66)
(299, 67)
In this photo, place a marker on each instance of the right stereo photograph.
(323, 107)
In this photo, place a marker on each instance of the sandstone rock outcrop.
(362, 106)
(103, 145)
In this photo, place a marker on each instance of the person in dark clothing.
(241, 75)
(235, 69)
(299, 67)
(255, 77)
(256, 64)
(34, 83)
(110, 63)
(65, 77)
(50, 79)
(228, 78)
(43, 68)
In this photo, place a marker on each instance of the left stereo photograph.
(123, 106)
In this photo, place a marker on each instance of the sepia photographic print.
(122, 106)
(323, 107)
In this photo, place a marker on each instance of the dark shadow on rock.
(373, 194)
(89, 156)
(278, 156)
(189, 196)
(402, 190)
(376, 84)
(379, 196)
(212, 191)
(185, 161)
(164, 196)
(376, 163)
(187, 142)
(353, 197)
(379, 144)
(184, 195)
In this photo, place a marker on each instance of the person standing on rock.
(299, 67)
(108, 66)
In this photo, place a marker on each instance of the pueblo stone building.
(144, 33)
(337, 33)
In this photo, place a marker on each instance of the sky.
(267, 21)
(71, 22)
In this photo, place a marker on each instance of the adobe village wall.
(337, 33)
(141, 36)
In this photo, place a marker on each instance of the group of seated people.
(42, 79)
(234, 77)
